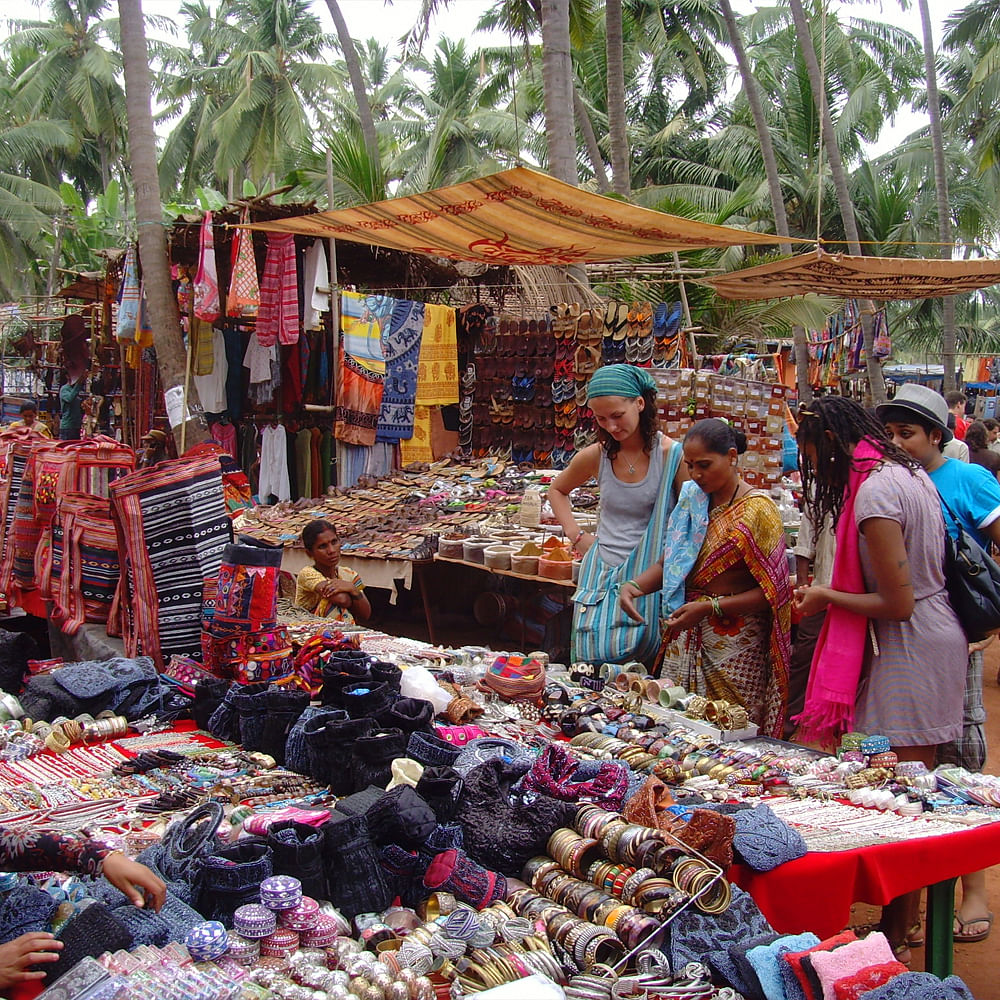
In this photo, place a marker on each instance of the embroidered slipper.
(961, 936)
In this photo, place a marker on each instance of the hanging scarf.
(840, 651)
(685, 533)
(244, 292)
(128, 302)
(278, 316)
(206, 281)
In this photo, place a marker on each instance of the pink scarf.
(836, 665)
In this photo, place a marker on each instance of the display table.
(815, 892)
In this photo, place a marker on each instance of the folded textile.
(766, 961)
(793, 975)
(865, 980)
(94, 930)
(731, 964)
(921, 986)
(840, 963)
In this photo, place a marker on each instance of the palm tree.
(941, 191)
(773, 183)
(557, 77)
(73, 77)
(170, 355)
(357, 80)
(876, 383)
(617, 114)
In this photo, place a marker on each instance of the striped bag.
(602, 632)
(90, 567)
(172, 529)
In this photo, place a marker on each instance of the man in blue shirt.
(916, 420)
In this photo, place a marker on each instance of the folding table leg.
(938, 949)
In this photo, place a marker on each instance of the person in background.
(916, 422)
(730, 639)
(51, 850)
(71, 408)
(993, 433)
(907, 682)
(154, 448)
(956, 408)
(814, 551)
(29, 419)
(977, 439)
(326, 588)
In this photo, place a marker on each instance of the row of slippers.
(543, 393)
(496, 438)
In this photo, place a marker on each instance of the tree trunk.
(617, 130)
(876, 382)
(773, 184)
(590, 141)
(557, 82)
(171, 357)
(948, 340)
(357, 81)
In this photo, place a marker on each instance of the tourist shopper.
(916, 422)
(888, 580)
(633, 463)
(326, 588)
(956, 409)
(729, 640)
(993, 434)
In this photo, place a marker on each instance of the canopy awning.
(880, 278)
(518, 216)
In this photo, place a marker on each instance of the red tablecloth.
(815, 892)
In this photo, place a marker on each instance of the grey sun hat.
(923, 401)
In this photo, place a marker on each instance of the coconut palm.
(72, 76)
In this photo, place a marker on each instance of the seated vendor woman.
(326, 588)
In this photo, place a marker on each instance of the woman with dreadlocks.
(888, 585)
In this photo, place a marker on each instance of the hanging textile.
(317, 276)
(418, 447)
(437, 370)
(225, 436)
(212, 387)
(362, 370)
(278, 315)
(274, 464)
(206, 280)
(402, 352)
(128, 298)
(243, 298)
(202, 350)
(172, 528)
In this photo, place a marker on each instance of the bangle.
(580, 535)
(717, 608)
(632, 583)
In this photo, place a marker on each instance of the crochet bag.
(503, 830)
(602, 632)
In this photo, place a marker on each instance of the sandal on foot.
(901, 952)
(961, 936)
(915, 935)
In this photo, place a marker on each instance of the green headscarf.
(620, 380)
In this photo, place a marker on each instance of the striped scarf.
(278, 315)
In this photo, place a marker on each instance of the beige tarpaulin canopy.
(880, 278)
(518, 216)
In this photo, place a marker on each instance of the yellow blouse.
(306, 596)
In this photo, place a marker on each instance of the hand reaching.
(17, 956)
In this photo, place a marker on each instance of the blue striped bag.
(602, 632)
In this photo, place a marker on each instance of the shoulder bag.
(972, 578)
(602, 632)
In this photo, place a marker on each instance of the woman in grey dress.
(912, 680)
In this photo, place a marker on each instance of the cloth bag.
(972, 578)
(602, 632)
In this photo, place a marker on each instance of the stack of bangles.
(587, 943)
(107, 728)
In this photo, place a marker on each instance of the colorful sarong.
(362, 370)
(437, 370)
(278, 315)
(402, 353)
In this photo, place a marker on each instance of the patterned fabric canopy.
(518, 216)
(880, 278)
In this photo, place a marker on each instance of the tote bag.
(972, 579)
(602, 632)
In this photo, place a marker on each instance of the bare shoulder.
(584, 465)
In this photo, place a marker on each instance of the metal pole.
(334, 312)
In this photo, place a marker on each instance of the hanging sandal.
(963, 937)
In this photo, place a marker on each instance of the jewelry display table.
(815, 892)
